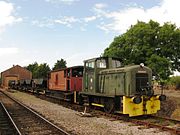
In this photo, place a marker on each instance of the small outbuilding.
(14, 74)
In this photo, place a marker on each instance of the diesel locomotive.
(119, 89)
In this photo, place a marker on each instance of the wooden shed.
(14, 74)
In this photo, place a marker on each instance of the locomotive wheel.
(81, 100)
(109, 105)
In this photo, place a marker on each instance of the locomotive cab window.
(116, 63)
(101, 64)
(90, 65)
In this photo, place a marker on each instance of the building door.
(8, 79)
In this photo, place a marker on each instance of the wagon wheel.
(109, 105)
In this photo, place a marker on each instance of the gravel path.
(76, 124)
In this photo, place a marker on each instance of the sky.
(45, 31)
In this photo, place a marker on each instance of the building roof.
(14, 67)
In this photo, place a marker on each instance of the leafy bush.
(175, 80)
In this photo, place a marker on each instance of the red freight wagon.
(65, 83)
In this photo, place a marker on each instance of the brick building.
(15, 73)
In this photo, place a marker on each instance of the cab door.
(89, 78)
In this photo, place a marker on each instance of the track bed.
(28, 121)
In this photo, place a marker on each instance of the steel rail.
(120, 117)
(153, 125)
(10, 118)
(41, 117)
(165, 118)
(145, 123)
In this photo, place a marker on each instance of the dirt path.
(170, 107)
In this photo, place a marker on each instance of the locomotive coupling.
(136, 100)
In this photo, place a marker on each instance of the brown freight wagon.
(65, 83)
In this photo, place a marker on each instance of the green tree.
(38, 71)
(159, 66)
(32, 67)
(169, 42)
(42, 71)
(148, 43)
(60, 64)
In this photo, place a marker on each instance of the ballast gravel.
(75, 124)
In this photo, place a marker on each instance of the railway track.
(29, 122)
(7, 125)
(151, 121)
(164, 124)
